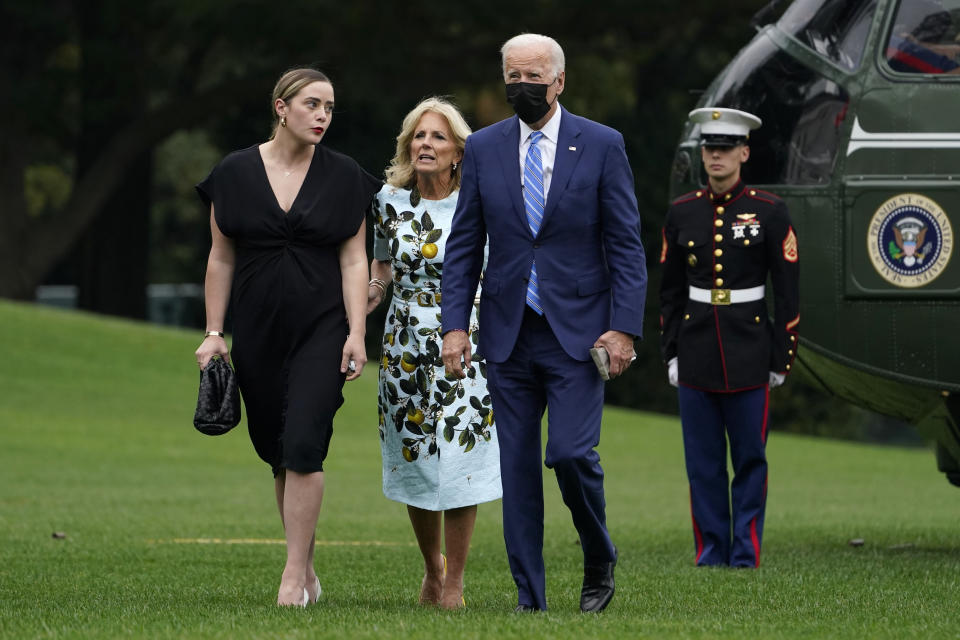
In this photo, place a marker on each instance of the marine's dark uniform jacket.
(723, 242)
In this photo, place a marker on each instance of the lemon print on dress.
(429, 251)
(408, 362)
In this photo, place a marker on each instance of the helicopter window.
(802, 113)
(835, 29)
(925, 38)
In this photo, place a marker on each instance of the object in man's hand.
(602, 359)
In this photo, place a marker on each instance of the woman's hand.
(212, 346)
(354, 353)
(374, 297)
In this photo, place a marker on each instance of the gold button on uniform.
(788, 367)
(718, 238)
(690, 243)
(753, 192)
(747, 241)
(718, 252)
(718, 268)
(719, 223)
(793, 338)
(718, 282)
(699, 193)
(720, 210)
(686, 316)
(756, 319)
(789, 352)
(727, 196)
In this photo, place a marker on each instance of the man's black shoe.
(598, 587)
(525, 608)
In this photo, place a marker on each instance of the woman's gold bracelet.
(379, 284)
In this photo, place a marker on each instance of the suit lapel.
(569, 152)
(510, 164)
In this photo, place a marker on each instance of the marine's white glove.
(672, 371)
(776, 379)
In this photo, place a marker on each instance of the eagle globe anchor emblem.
(907, 245)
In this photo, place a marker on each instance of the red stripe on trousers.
(696, 530)
(755, 541)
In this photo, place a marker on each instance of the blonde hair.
(400, 173)
(557, 60)
(289, 85)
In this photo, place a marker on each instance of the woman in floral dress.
(439, 443)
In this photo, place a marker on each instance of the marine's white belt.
(726, 296)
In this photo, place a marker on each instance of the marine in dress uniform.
(723, 351)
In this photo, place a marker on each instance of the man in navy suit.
(566, 272)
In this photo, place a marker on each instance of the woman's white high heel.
(319, 591)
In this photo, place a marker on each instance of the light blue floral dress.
(437, 433)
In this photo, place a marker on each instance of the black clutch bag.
(218, 402)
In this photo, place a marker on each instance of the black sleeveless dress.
(289, 320)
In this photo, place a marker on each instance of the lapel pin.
(572, 148)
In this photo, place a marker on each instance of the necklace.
(287, 174)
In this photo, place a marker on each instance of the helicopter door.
(902, 194)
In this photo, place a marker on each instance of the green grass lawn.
(96, 442)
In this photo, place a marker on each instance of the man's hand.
(456, 349)
(673, 375)
(619, 347)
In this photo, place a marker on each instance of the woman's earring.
(283, 121)
(453, 168)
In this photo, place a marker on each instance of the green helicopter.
(860, 102)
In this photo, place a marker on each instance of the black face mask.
(529, 100)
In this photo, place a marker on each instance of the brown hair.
(290, 84)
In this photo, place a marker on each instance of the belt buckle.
(719, 296)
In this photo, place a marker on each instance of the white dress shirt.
(547, 146)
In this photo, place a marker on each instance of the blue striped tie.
(533, 200)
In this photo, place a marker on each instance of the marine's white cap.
(721, 127)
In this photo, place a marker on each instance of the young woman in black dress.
(287, 220)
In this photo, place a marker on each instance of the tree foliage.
(98, 85)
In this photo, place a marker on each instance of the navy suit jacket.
(591, 266)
